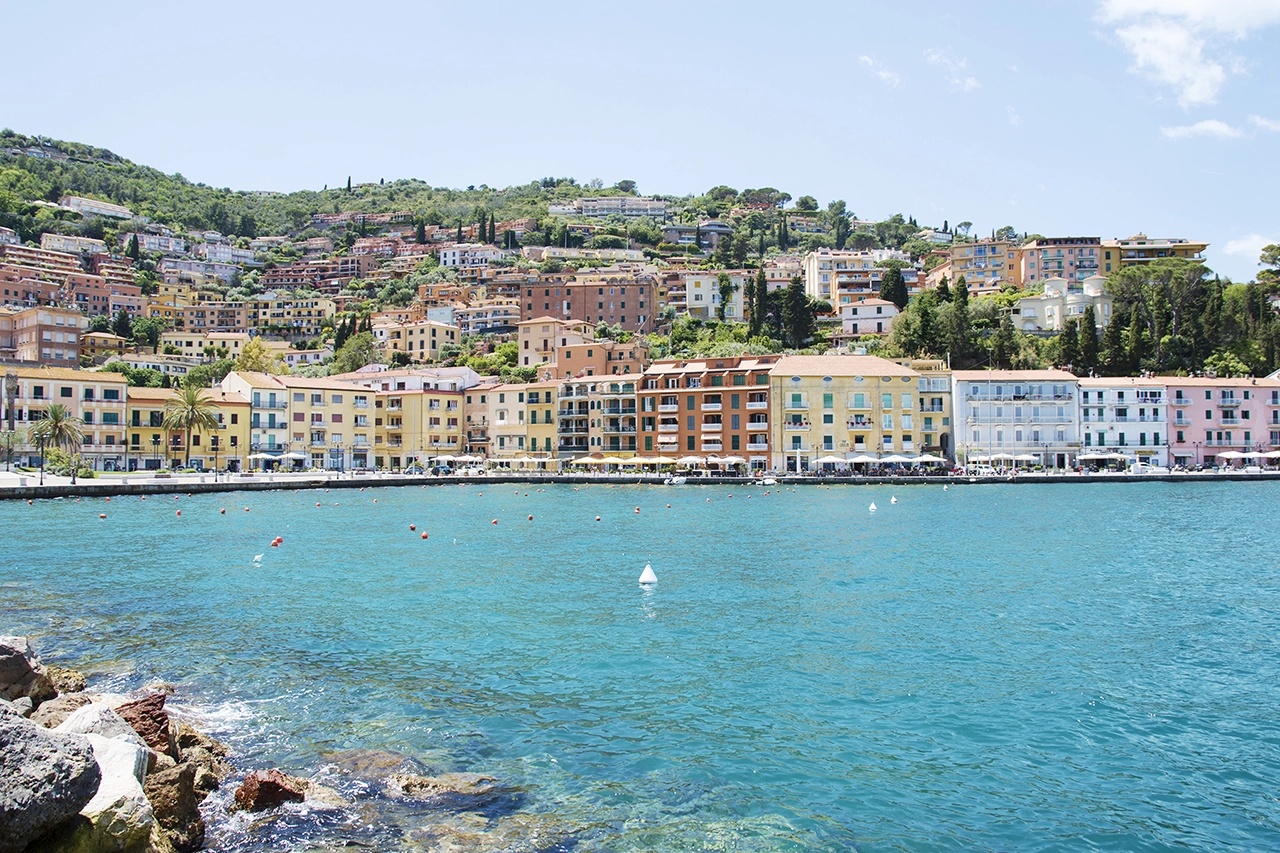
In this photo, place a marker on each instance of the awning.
(896, 459)
(929, 458)
(864, 459)
(832, 460)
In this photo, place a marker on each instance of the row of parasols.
(709, 461)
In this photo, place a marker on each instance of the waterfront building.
(1071, 258)
(707, 406)
(1064, 300)
(96, 398)
(416, 424)
(597, 415)
(1210, 416)
(541, 424)
(507, 427)
(477, 417)
(1017, 413)
(1125, 414)
(842, 405)
(152, 447)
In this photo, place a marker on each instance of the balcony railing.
(669, 407)
(794, 406)
(712, 427)
(1229, 402)
(857, 424)
(668, 427)
(279, 404)
(796, 425)
(757, 404)
(933, 407)
(757, 426)
(712, 407)
(1180, 401)
(712, 445)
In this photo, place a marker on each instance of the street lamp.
(215, 459)
(155, 450)
(42, 460)
(1196, 445)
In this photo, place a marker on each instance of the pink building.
(1207, 417)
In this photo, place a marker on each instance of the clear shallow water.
(1033, 668)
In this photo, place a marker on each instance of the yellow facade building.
(417, 426)
(541, 425)
(152, 447)
(96, 398)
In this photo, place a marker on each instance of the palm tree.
(190, 408)
(58, 427)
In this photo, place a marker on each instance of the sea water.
(993, 667)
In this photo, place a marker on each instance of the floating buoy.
(637, 509)
(597, 518)
(893, 500)
(275, 544)
(873, 506)
(945, 487)
(531, 518)
(668, 506)
(222, 511)
(108, 500)
(28, 503)
(424, 534)
(375, 500)
(175, 497)
(258, 558)
(179, 513)
(246, 509)
(647, 576)
(317, 503)
(495, 521)
(413, 527)
(280, 540)
(708, 500)
(102, 515)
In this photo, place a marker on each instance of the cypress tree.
(458, 237)
(1089, 340)
(348, 183)
(1006, 341)
(1135, 339)
(1069, 345)
(893, 287)
(1115, 357)
(944, 290)
(134, 252)
(420, 233)
(961, 332)
(759, 296)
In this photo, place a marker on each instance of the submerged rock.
(372, 763)
(45, 778)
(54, 711)
(464, 792)
(21, 673)
(266, 789)
(517, 833)
(148, 718)
(173, 797)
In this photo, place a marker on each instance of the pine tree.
(1069, 345)
(944, 290)
(796, 315)
(893, 287)
(1088, 341)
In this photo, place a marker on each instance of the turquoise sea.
(992, 667)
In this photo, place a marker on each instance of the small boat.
(675, 481)
(769, 481)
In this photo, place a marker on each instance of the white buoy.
(893, 500)
(258, 559)
(945, 487)
(647, 576)
(873, 506)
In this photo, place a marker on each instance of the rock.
(211, 769)
(469, 833)
(23, 705)
(54, 711)
(66, 680)
(45, 778)
(188, 737)
(118, 818)
(97, 719)
(173, 797)
(148, 718)
(323, 797)
(266, 789)
(455, 791)
(372, 763)
(21, 673)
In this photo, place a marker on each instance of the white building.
(71, 245)
(93, 207)
(155, 243)
(469, 255)
(870, 316)
(622, 205)
(224, 253)
(828, 271)
(9, 237)
(1127, 415)
(1064, 300)
(702, 291)
(1003, 414)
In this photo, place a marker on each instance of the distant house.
(1063, 300)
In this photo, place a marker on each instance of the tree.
(1270, 258)
(726, 288)
(420, 232)
(123, 325)
(147, 331)
(134, 253)
(1008, 233)
(1069, 345)
(759, 295)
(190, 408)
(358, 351)
(1088, 340)
(960, 335)
(256, 358)
(797, 318)
(58, 428)
(626, 186)
(1115, 358)
(1135, 340)
(806, 203)
(348, 183)
(892, 286)
(963, 228)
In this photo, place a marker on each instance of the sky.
(1059, 117)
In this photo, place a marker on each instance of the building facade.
(1017, 413)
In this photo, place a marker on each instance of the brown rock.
(67, 680)
(188, 737)
(174, 799)
(211, 769)
(454, 791)
(149, 720)
(54, 711)
(21, 673)
(266, 789)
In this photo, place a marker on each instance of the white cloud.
(954, 70)
(883, 73)
(1265, 123)
(1171, 41)
(1014, 118)
(1208, 127)
(1250, 245)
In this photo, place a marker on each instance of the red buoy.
(495, 521)
(597, 518)
(179, 513)
(102, 515)
(637, 509)
(275, 544)
(668, 506)
(222, 511)
(424, 534)
(108, 500)
(531, 518)
(317, 503)
(246, 509)
(413, 527)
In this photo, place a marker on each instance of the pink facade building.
(1207, 417)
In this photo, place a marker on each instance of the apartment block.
(1064, 300)
(98, 399)
(626, 301)
(1210, 416)
(71, 245)
(987, 265)
(1017, 413)
(417, 425)
(421, 340)
(152, 447)
(597, 415)
(1071, 258)
(1141, 249)
(48, 336)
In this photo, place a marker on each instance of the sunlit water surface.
(1031, 668)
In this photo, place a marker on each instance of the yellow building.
(507, 431)
(934, 405)
(285, 315)
(843, 406)
(100, 347)
(417, 426)
(422, 340)
(541, 426)
(97, 398)
(1141, 249)
(152, 447)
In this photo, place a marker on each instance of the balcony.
(712, 427)
(625, 430)
(615, 412)
(1229, 402)
(757, 445)
(712, 445)
(796, 425)
(280, 404)
(757, 426)
(859, 424)
(1180, 401)
(1231, 422)
(933, 407)
(757, 405)
(669, 407)
(360, 405)
(712, 407)
(668, 427)
(793, 406)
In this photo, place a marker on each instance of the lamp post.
(215, 458)
(1196, 445)
(42, 460)
(155, 450)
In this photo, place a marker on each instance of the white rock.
(98, 719)
(119, 816)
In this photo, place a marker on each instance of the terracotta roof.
(838, 365)
(66, 373)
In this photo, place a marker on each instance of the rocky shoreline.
(83, 771)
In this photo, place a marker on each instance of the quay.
(27, 486)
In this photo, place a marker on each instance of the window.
(65, 391)
(886, 401)
(828, 401)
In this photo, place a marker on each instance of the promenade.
(26, 486)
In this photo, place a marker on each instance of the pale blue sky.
(1098, 117)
